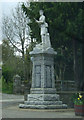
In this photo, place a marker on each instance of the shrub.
(7, 87)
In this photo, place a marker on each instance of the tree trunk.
(83, 60)
(75, 60)
(23, 59)
(82, 82)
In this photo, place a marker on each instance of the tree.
(12, 64)
(16, 31)
(8, 57)
(0, 54)
(65, 28)
(77, 39)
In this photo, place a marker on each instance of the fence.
(62, 85)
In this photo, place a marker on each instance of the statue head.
(41, 12)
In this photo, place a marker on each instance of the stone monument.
(43, 92)
(16, 84)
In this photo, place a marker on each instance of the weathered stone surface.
(49, 50)
(43, 97)
(43, 72)
(43, 102)
(17, 84)
(43, 90)
(43, 106)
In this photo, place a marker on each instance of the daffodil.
(78, 98)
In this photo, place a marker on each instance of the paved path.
(10, 109)
(10, 100)
(16, 112)
(12, 96)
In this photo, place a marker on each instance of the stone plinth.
(43, 92)
(16, 84)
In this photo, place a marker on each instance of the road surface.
(10, 109)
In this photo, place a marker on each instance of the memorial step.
(63, 106)
(43, 102)
(43, 97)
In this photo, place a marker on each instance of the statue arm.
(41, 21)
(38, 21)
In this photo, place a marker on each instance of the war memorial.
(43, 92)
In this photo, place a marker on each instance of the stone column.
(43, 73)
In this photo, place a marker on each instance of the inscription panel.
(48, 76)
(38, 76)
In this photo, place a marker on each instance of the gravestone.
(17, 84)
(43, 92)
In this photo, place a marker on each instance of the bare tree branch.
(16, 29)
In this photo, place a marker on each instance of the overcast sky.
(5, 9)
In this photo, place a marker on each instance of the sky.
(5, 9)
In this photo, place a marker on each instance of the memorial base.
(43, 101)
(43, 93)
